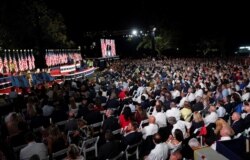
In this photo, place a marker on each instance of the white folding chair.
(143, 123)
(115, 132)
(60, 153)
(89, 145)
(61, 125)
(96, 127)
(135, 152)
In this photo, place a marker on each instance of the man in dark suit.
(132, 136)
(238, 123)
(108, 51)
(111, 123)
(93, 116)
(111, 148)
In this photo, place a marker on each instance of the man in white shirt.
(160, 152)
(161, 119)
(33, 148)
(173, 112)
(151, 128)
(190, 95)
(183, 126)
(198, 92)
(212, 117)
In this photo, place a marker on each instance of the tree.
(163, 41)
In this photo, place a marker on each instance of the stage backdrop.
(108, 48)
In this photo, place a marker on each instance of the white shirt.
(245, 96)
(198, 93)
(190, 97)
(139, 92)
(181, 104)
(183, 126)
(175, 93)
(149, 130)
(34, 148)
(221, 111)
(160, 152)
(161, 119)
(174, 112)
(211, 118)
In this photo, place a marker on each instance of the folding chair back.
(89, 145)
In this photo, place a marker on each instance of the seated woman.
(73, 153)
(221, 123)
(126, 117)
(196, 123)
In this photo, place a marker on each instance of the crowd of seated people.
(161, 107)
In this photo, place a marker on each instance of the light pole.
(153, 38)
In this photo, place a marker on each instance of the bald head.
(175, 156)
(151, 119)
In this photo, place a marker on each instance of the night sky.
(193, 19)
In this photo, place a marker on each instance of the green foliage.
(162, 41)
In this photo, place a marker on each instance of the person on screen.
(108, 51)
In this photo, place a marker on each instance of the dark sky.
(228, 20)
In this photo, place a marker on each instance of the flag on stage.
(5, 64)
(30, 61)
(33, 61)
(1, 65)
(20, 62)
(15, 64)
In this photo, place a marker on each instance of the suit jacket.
(111, 123)
(131, 138)
(238, 126)
(109, 150)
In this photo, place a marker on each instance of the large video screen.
(108, 48)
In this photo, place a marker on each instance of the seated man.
(151, 128)
(33, 148)
(132, 136)
(160, 151)
(111, 148)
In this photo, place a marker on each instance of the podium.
(207, 153)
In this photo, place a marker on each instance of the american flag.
(15, 63)
(30, 61)
(1, 65)
(47, 59)
(5, 63)
(113, 51)
(103, 47)
(22, 62)
(25, 65)
(10, 62)
(19, 58)
(33, 61)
